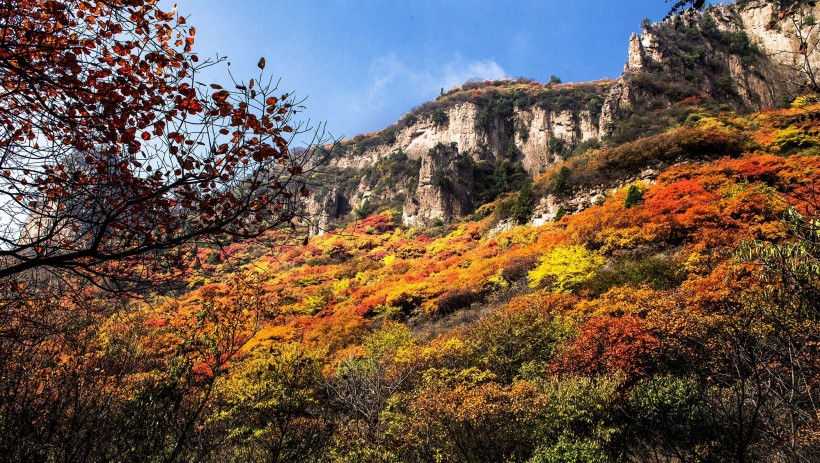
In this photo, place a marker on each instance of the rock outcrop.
(748, 55)
(474, 134)
(445, 188)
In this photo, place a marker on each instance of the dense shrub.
(457, 299)
(522, 208)
(634, 195)
(439, 117)
(627, 159)
(516, 269)
(560, 185)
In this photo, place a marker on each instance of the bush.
(725, 86)
(566, 268)
(364, 209)
(633, 197)
(517, 268)
(214, 258)
(491, 181)
(658, 272)
(738, 43)
(671, 416)
(560, 186)
(628, 159)
(791, 140)
(439, 118)
(457, 299)
(522, 209)
(559, 214)
(439, 179)
(388, 135)
(580, 423)
(523, 133)
(524, 334)
(556, 145)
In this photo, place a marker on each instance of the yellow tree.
(566, 268)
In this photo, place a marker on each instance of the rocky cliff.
(443, 159)
(748, 55)
(449, 156)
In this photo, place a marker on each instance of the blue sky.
(362, 64)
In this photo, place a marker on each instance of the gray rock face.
(445, 188)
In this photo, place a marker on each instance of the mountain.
(443, 160)
(615, 271)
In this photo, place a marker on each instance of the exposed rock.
(529, 144)
(501, 226)
(571, 127)
(324, 208)
(635, 61)
(545, 211)
(445, 188)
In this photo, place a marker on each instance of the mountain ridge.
(737, 56)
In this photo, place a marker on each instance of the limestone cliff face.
(445, 188)
(461, 129)
(446, 145)
(563, 128)
(417, 139)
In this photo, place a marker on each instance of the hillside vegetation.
(677, 319)
(613, 271)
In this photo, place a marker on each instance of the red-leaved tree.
(113, 154)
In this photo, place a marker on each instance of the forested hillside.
(661, 323)
(518, 271)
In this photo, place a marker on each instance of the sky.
(362, 64)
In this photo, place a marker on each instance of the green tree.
(522, 209)
(276, 409)
(560, 186)
(634, 196)
(559, 214)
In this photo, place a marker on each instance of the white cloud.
(394, 85)
(390, 73)
(459, 71)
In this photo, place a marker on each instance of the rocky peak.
(635, 57)
(746, 55)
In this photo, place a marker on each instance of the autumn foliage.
(674, 320)
(116, 152)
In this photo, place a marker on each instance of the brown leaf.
(261, 63)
